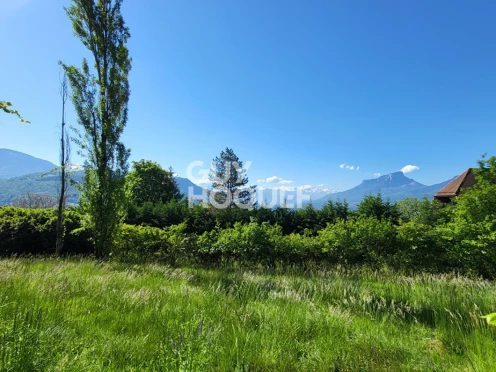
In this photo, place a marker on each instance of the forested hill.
(41, 183)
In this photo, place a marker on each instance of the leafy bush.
(472, 229)
(409, 235)
(158, 214)
(420, 247)
(360, 240)
(144, 243)
(298, 248)
(32, 231)
(246, 242)
(138, 243)
(423, 211)
(375, 206)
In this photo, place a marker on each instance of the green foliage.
(334, 210)
(145, 244)
(298, 248)
(158, 215)
(375, 206)
(420, 247)
(153, 197)
(229, 182)
(6, 107)
(139, 243)
(87, 315)
(490, 318)
(245, 242)
(358, 240)
(149, 182)
(424, 235)
(306, 220)
(284, 217)
(101, 103)
(33, 231)
(200, 219)
(472, 231)
(12, 189)
(425, 211)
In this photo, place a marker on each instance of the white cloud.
(75, 167)
(275, 179)
(317, 188)
(409, 168)
(305, 188)
(347, 166)
(328, 190)
(283, 188)
(377, 174)
(204, 181)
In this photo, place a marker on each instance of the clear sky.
(299, 88)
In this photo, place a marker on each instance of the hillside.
(15, 163)
(39, 183)
(395, 186)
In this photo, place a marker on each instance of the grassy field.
(81, 315)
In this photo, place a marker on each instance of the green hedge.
(466, 246)
(33, 231)
(144, 244)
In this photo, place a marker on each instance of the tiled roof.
(464, 180)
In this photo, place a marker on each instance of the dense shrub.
(359, 240)
(200, 219)
(157, 214)
(420, 247)
(375, 206)
(250, 242)
(298, 248)
(472, 230)
(144, 243)
(32, 231)
(425, 211)
(409, 235)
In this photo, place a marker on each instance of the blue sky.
(303, 89)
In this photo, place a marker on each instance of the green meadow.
(85, 315)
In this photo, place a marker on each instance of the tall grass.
(74, 315)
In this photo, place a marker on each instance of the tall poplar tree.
(100, 98)
(65, 158)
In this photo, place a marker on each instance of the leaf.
(490, 318)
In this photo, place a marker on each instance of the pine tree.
(229, 182)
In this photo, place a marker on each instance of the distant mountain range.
(37, 179)
(276, 197)
(40, 183)
(15, 163)
(395, 186)
(21, 173)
